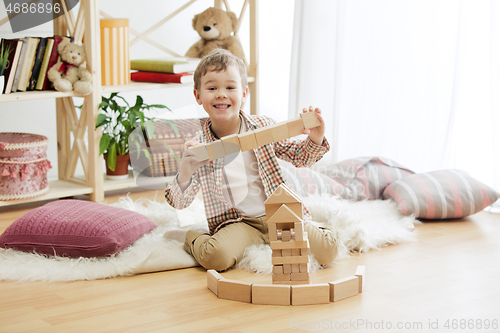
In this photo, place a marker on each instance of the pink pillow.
(365, 178)
(440, 194)
(75, 228)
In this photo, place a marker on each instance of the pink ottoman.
(23, 166)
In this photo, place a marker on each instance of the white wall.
(276, 21)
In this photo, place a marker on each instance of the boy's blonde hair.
(217, 61)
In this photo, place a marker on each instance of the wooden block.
(283, 194)
(300, 276)
(276, 245)
(296, 268)
(296, 208)
(281, 277)
(296, 252)
(278, 269)
(231, 143)
(264, 135)
(286, 252)
(305, 252)
(201, 151)
(344, 288)
(280, 131)
(287, 268)
(215, 150)
(303, 268)
(284, 214)
(248, 141)
(295, 126)
(270, 294)
(213, 278)
(286, 236)
(360, 273)
(289, 260)
(310, 119)
(310, 294)
(299, 231)
(235, 290)
(277, 253)
(272, 231)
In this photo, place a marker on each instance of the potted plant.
(119, 121)
(4, 58)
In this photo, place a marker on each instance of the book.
(37, 63)
(9, 73)
(45, 64)
(54, 57)
(161, 77)
(19, 64)
(165, 65)
(27, 65)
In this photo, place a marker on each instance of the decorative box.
(115, 59)
(23, 166)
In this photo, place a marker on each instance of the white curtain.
(417, 81)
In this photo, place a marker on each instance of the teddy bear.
(215, 27)
(68, 73)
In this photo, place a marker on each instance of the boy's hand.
(188, 165)
(316, 134)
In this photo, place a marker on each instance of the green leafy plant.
(4, 57)
(119, 121)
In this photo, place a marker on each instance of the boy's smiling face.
(221, 94)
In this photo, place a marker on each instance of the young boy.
(234, 192)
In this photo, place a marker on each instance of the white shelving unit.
(71, 128)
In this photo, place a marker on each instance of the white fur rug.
(361, 226)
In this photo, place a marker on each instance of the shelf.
(30, 95)
(138, 86)
(57, 189)
(61, 189)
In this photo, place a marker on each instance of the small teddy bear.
(68, 73)
(215, 27)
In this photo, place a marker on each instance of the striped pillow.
(305, 181)
(366, 177)
(440, 194)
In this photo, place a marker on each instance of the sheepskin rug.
(361, 226)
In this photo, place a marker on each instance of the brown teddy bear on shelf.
(69, 73)
(215, 27)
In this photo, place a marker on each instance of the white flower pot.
(2, 83)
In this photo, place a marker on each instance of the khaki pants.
(226, 247)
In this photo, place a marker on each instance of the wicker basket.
(163, 163)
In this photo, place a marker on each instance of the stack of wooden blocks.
(288, 240)
(291, 280)
(255, 138)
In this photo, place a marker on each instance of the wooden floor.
(447, 281)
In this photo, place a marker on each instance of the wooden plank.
(235, 290)
(213, 278)
(344, 288)
(276, 245)
(248, 141)
(310, 294)
(360, 273)
(295, 126)
(269, 294)
(264, 135)
(289, 260)
(310, 119)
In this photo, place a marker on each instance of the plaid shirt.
(209, 178)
